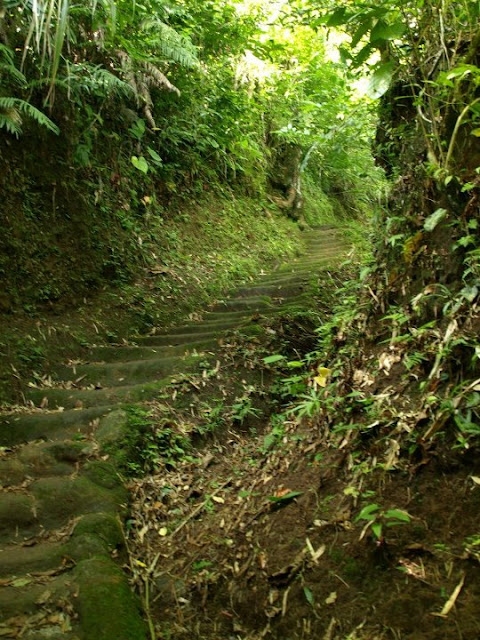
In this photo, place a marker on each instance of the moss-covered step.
(83, 398)
(273, 291)
(51, 502)
(16, 428)
(125, 353)
(34, 460)
(251, 303)
(115, 374)
(175, 338)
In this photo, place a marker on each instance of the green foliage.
(12, 111)
(150, 444)
(377, 519)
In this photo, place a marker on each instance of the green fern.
(11, 111)
(8, 68)
(170, 45)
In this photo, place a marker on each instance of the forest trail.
(62, 500)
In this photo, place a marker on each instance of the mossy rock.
(71, 450)
(59, 499)
(103, 525)
(113, 428)
(86, 546)
(107, 607)
(103, 474)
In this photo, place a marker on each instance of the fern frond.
(170, 44)
(11, 118)
(7, 66)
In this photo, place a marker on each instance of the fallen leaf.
(332, 598)
(21, 582)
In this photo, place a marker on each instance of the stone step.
(274, 291)
(125, 353)
(253, 303)
(177, 339)
(51, 502)
(54, 398)
(44, 425)
(117, 374)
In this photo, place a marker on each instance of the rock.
(107, 608)
(113, 428)
(104, 525)
(16, 513)
(59, 499)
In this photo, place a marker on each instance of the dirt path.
(63, 503)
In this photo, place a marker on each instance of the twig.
(200, 508)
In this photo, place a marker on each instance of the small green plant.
(310, 404)
(377, 519)
(243, 408)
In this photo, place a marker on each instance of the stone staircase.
(62, 506)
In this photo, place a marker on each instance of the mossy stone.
(113, 428)
(107, 607)
(104, 525)
(86, 546)
(102, 474)
(71, 451)
(61, 498)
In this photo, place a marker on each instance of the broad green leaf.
(360, 32)
(275, 358)
(140, 163)
(363, 55)
(377, 529)
(338, 17)
(380, 80)
(432, 220)
(154, 155)
(309, 596)
(469, 293)
(383, 31)
(397, 514)
(367, 512)
(476, 133)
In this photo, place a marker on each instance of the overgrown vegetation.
(160, 125)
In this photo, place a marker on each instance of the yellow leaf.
(218, 499)
(323, 374)
(141, 564)
(331, 598)
(163, 532)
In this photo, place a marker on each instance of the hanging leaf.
(338, 17)
(380, 80)
(154, 155)
(140, 163)
(383, 31)
(432, 220)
